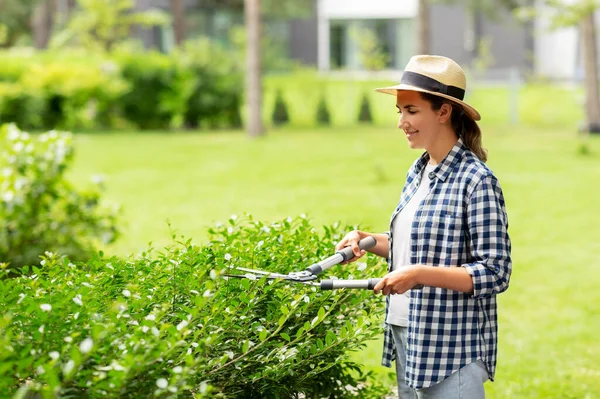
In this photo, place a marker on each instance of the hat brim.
(393, 90)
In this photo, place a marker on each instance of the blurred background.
(184, 112)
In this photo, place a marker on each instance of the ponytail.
(464, 127)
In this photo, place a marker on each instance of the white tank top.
(401, 243)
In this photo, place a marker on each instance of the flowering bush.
(39, 209)
(169, 324)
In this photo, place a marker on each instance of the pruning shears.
(311, 273)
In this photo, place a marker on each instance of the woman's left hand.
(398, 281)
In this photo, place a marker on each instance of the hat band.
(430, 84)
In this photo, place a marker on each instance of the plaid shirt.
(461, 223)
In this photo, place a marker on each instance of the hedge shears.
(311, 273)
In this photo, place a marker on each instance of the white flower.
(195, 344)
(126, 293)
(234, 217)
(213, 274)
(182, 325)
(145, 329)
(86, 345)
(68, 339)
(68, 367)
(361, 266)
(46, 307)
(8, 196)
(230, 230)
(206, 294)
(18, 147)
(116, 366)
(21, 297)
(155, 331)
(97, 179)
(162, 383)
(150, 317)
(54, 355)
(194, 292)
(260, 243)
(177, 369)
(76, 316)
(227, 257)
(78, 300)
(41, 329)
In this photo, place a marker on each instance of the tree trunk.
(590, 66)
(423, 21)
(177, 9)
(41, 23)
(253, 84)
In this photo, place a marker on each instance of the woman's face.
(420, 123)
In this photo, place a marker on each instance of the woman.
(448, 245)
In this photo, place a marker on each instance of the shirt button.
(431, 175)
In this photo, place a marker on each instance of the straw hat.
(435, 75)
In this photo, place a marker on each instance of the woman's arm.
(405, 278)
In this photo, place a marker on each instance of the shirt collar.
(442, 170)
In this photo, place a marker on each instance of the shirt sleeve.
(488, 240)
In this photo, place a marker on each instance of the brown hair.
(464, 127)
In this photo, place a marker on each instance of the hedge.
(169, 324)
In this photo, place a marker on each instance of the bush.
(280, 113)
(40, 210)
(169, 325)
(20, 106)
(323, 116)
(215, 95)
(364, 114)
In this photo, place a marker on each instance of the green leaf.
(263, 335)
(245, 346)
(282, 320)
(321, 313)
(284, 309)
(285, 336)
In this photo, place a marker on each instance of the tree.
(423, 25)
(178, 11)
(268, 8)
(580, 14)
(253, 76)
(100, 24)
(15, 15)
(41, 22)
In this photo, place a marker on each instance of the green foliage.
(213, 85)
(20, 106)
(372, 56)
(364, 114)
(101, 24)
(280, 112)
(40, 210)
(169, 324)
(323, 116)
(15, 19)
(564, 15)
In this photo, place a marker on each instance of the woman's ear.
(445, 113)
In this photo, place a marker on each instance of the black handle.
(340, 256)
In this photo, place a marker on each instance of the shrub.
(280, 113)
(20, 106)
(364, 114)
(40, 210)
(323, 116)
(169, 325)
(215, 95)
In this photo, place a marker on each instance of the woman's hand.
(398, 281)
(351, 240)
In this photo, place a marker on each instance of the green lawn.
(550, 316)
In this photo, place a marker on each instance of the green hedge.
(197, 85)
(168, 324)
(39, 210)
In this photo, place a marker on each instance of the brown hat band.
(430, 84)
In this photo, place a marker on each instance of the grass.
(549, 317)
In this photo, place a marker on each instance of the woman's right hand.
(351, 240)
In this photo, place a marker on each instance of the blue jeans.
(466, 383)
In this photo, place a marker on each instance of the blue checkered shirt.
(461, 223)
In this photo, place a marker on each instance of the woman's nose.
(402, 124)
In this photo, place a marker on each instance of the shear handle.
(340, 256)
